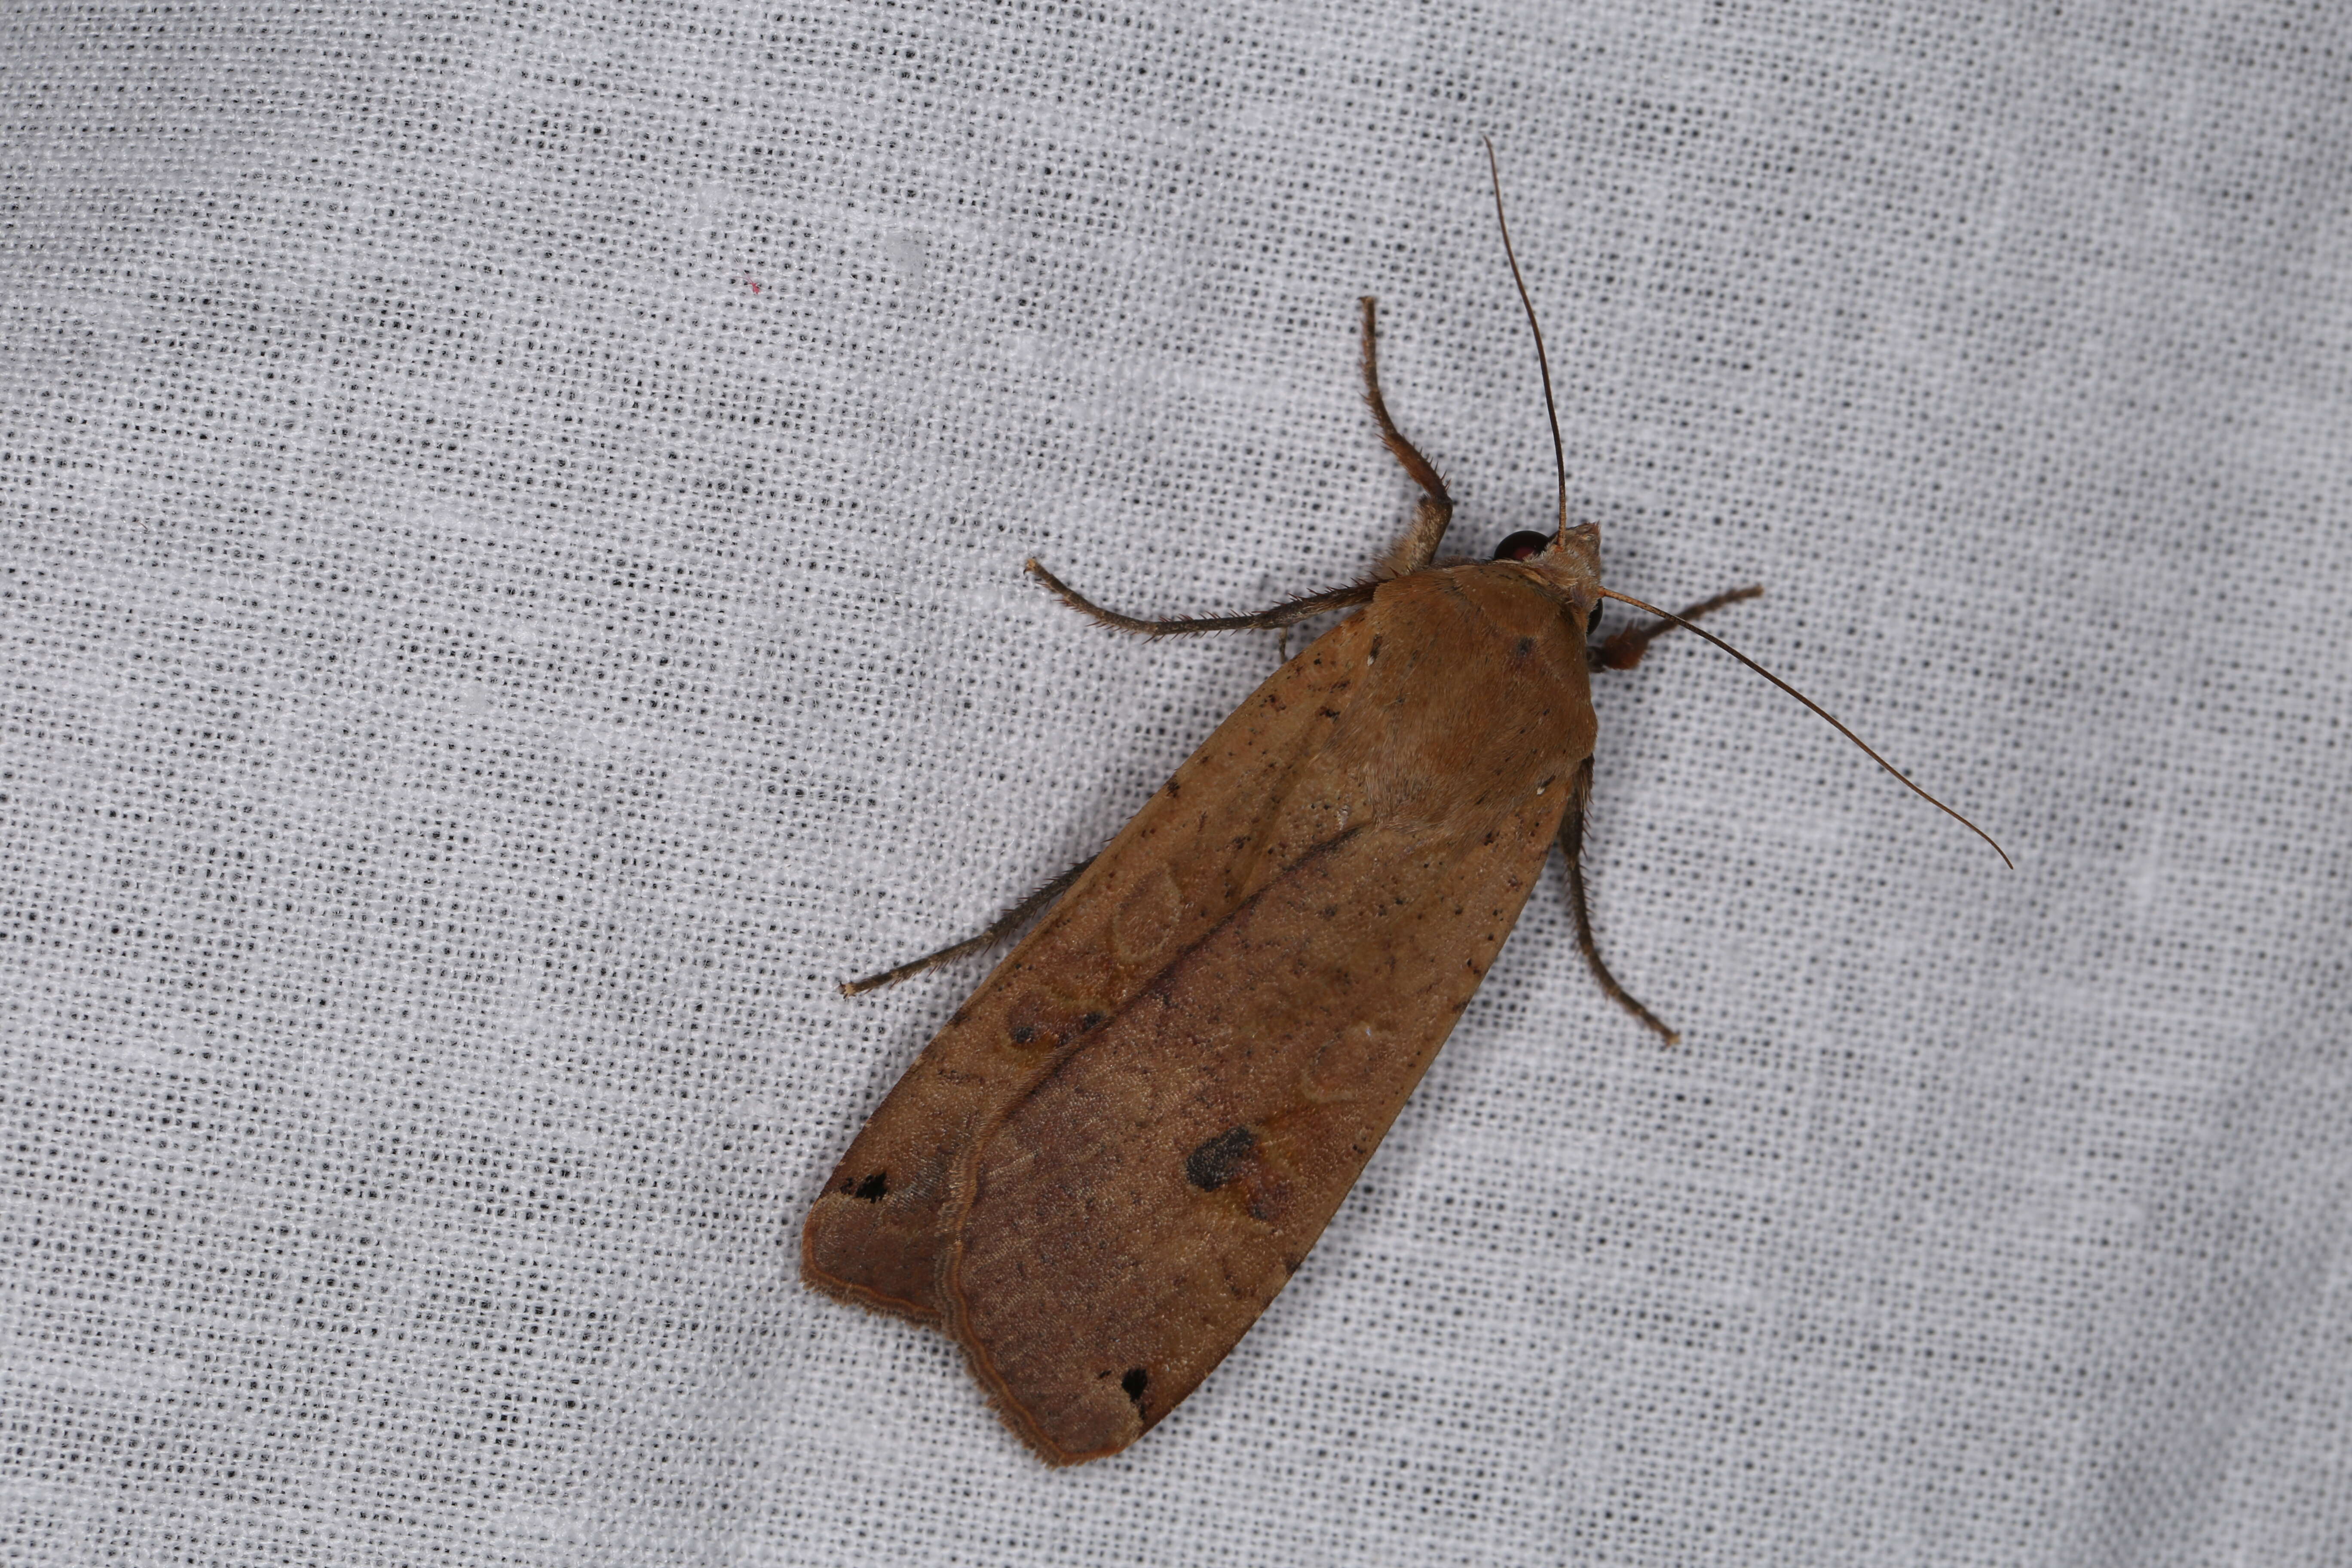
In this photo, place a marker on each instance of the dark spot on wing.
(1213, 1165)
(873, 1188)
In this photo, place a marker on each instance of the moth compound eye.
(1592, 621)
(1524, 545)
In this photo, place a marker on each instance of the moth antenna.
(1825, 713)
(1543, 363)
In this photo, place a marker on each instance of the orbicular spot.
(873, 1189)
(1145, 921)
(1023, 1034)
(1213, 1165)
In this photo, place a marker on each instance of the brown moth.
(1120, 1149)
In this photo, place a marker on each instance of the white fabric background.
(479, 669)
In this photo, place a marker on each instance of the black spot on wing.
(1213, 1165)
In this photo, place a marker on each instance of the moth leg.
(1004, 925)
(1416, 550)
(1572, 844)
(1625, 651)
(1419, 546)
(1288, 613)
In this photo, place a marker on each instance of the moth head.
(1568, 563)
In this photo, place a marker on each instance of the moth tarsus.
(1434, 512)
(1287, 614)
(1625, 651)
(1572, 848)
(1004, 925)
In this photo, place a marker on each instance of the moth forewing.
(1116, 1154)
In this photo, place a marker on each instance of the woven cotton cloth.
(513, 527)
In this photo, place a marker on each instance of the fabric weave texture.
(511, 588)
